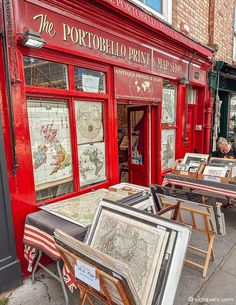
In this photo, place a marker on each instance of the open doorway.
(133, 144)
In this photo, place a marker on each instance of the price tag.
(212, 178)
(87, 274)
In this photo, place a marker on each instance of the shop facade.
(113, 95)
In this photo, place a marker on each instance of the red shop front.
(108, 98)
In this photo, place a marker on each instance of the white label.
(87, 274)
(212, 178)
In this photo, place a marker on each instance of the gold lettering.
(66, 31)
(45, 25)
(74, 35)
(82, 35)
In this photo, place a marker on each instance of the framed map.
(152, 247)
(193, 157)
(89, 122)
(167, 148)
(168, 106)
(80, 209)
(50, 142)
(92, 163)
(215, 171)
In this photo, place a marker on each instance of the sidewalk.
(221, 286)
(193, 288)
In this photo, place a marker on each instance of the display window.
(168, 134)
(67, 135)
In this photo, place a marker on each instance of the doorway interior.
(133, 139)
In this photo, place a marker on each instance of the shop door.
(10, 272)
(138, 145)
(189, 129)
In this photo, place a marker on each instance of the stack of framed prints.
(152, 247)
(81, 209)
(191, 165)
(97, 274)
(219, 170)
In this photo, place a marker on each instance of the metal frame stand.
(56, 277)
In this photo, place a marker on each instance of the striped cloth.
(227, 190)
(35, 239)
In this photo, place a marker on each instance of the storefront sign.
(76, 35)
(156, 24)
(137, 86)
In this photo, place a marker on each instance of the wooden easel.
(207, 229)
(87, 291)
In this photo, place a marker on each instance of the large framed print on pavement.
(153, 248)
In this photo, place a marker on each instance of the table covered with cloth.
(221, 189)
(38, 236)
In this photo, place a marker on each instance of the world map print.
(92, 163)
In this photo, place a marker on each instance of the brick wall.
(224, 29)
(194, 13)
(211, 22)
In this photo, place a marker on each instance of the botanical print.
(167, 148)
(168, 106)
(50, 141)
(89, 122)
(92, 164)
(134, 243)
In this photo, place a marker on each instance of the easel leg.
(208, 256)
(62, 283)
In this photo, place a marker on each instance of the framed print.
(92, 163)
(144, 242)
(194, 158)
(50, 142)
(167, 148)
(89, 122)
(221, 162)
(96, 261)
(80, 209)
(215, 171)
(168, 106)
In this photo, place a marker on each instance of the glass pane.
(192, 96)
(137, 130)
(90, 139)
(44, 73)
(232, 118)
(87, 80)
(154, 4)
(169, 104)
(167, 148)
(51, 147)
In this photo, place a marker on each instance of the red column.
(208, 124)
(180, 119)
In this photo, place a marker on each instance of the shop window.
(232, 118)
(167, 148)
(87, 80)
(192, 96)
(160, 8)
(45, 73)
(169, 104)
(49, 127)
(90, 139)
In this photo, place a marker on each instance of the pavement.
(219, 287)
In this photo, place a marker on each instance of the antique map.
(89, 120)
(50, 141)
(168, 106)
(92, 164)
(80, 209)
(167, 148)
(135, 243)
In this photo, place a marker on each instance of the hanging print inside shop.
(50, 142)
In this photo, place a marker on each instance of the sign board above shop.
(64, 32)
(137, 86)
